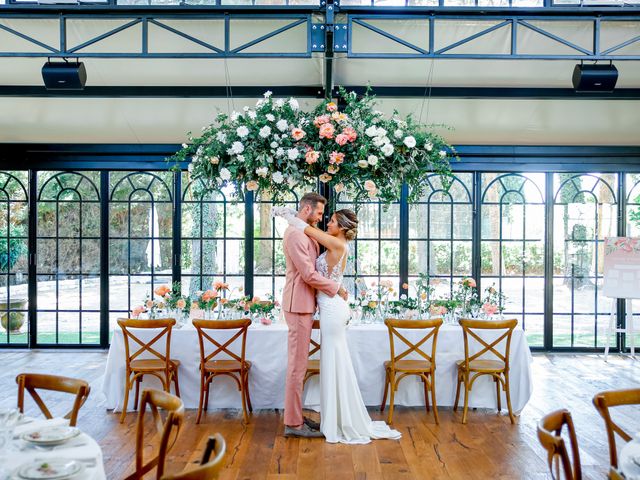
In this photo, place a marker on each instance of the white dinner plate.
(50, 435)
(54, 469)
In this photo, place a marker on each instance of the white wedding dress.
(344, 417)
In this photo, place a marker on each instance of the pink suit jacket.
(302, 281)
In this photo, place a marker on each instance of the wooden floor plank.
(487, 447)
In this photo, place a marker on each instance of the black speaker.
(595, 78)
(64, 75)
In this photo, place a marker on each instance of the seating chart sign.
(622, 267)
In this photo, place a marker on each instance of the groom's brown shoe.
(304, 431)
(311, 424)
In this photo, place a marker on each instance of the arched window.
(68, 258)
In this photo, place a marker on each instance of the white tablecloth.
(629, 460)
(81, 448)
(369, 346)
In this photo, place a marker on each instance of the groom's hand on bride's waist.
(342, 293)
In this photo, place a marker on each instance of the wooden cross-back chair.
(549, 434)
(209, 468)
(603, 401)
(424, 368)
(32, 381)
(157, 399)
(313, 365)
(235, 367)
(161, 367)
(473, 366)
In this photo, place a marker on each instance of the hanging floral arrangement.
(277, 146)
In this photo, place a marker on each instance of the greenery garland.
(276, 146)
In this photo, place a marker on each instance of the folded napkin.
(37, 424)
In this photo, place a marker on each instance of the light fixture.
(64, 75)
(594, 78)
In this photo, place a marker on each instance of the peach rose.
(181, 304)
(321, 120)
(162, 290)
(350, 133)
(342, 139)
(223, 301)
(298, 134)
(327, 130)
(332, 169)
(332, 107)
(209, 295)
(438, 310)
(252, 185)
(469, 282)
(311, 157)
(137, 311)
(221, 286)
(325, 177)
(336, 158)
(370, 186)
(339, 187)
(149, 304)
(405, 286)
(489, 308)
(339, 117)
(265, 321)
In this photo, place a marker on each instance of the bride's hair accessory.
(348, 221)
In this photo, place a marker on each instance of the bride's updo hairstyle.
(348, 221)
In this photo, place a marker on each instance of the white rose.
(378, 141)
(397, 134)
(292, 153)
(387, 150)
(409, 141)
(237, 148)
(371, 131)
(270, 117)
(372, 160)
(273, 144)
(252, 115)
(262, 171)
(292, 182)
(277, 177)
(184, 145)
(265, 132)
(240, 158)
(385, 139)
(190, 168)
(293, 103)
(279, 152)
(442, 153)
(268, 93)
(234, 116)
(276, 136)
(260, 103)
(245, 108)
(221, 137)
(428, 146)
(225, 174)
(282, 125)
(381, 132)
(279, 103)
(242, 131)
(363, 163)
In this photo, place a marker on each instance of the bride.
(344, 417)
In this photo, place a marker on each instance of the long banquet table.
(369, 345)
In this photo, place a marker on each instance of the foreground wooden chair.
(235, 366)
(549, 434)
(313, 366)
(477, 366)
(170, 428)
(614, 474)
(615, 398)
(32, 381)
(425, 368)
(161, 367)
(208, 468)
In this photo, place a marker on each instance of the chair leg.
(508, 394)
(245, 416)
(433, 398)
(426, 394)
(206, 400)
(127, 387)
(455, 403)
(386, 386)
(201, 401)
(137, 396)
(246, 390)
(392, 387)
(498, 396)
(176, 383)
(466, 398)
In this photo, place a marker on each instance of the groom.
(299, 305)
